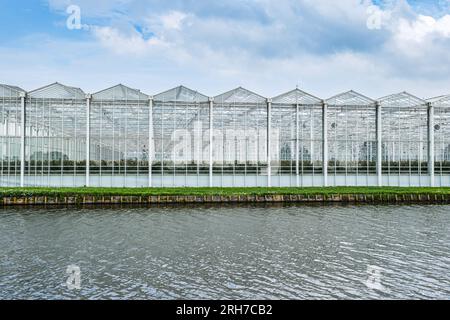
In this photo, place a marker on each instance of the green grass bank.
(42, 196)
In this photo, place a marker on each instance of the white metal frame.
(237, 97)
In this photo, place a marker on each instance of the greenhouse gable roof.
(57, 91)
(297, 96)
(240, 95)
(7, 91)
(181, 94)
(120, 92)
(403, 99)
(442, 100)
(350, 98)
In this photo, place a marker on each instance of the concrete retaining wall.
(336, 198)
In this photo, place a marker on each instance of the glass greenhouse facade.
(59, 136)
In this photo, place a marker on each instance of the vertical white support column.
(297, 145)
(211, 142)
(431, 144)
(22, 138)
(379, 145)
(269, 139)
(88, 140)
(325, 143)
(150, 142)
(311, 137)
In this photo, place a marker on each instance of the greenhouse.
(60, 136)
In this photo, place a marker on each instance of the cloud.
(173, 20)
(131, 43)
(422, 28)
(270, 46)
(416, 44)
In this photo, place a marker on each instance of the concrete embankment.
(427, 198)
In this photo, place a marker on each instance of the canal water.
(226, 252)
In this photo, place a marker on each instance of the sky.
(324, 47)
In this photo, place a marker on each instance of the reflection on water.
(231, 252)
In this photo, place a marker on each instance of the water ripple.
(249, 252)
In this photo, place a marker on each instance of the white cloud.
(131, 43)
(268, 46)
(422, 28)
(173, 20)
